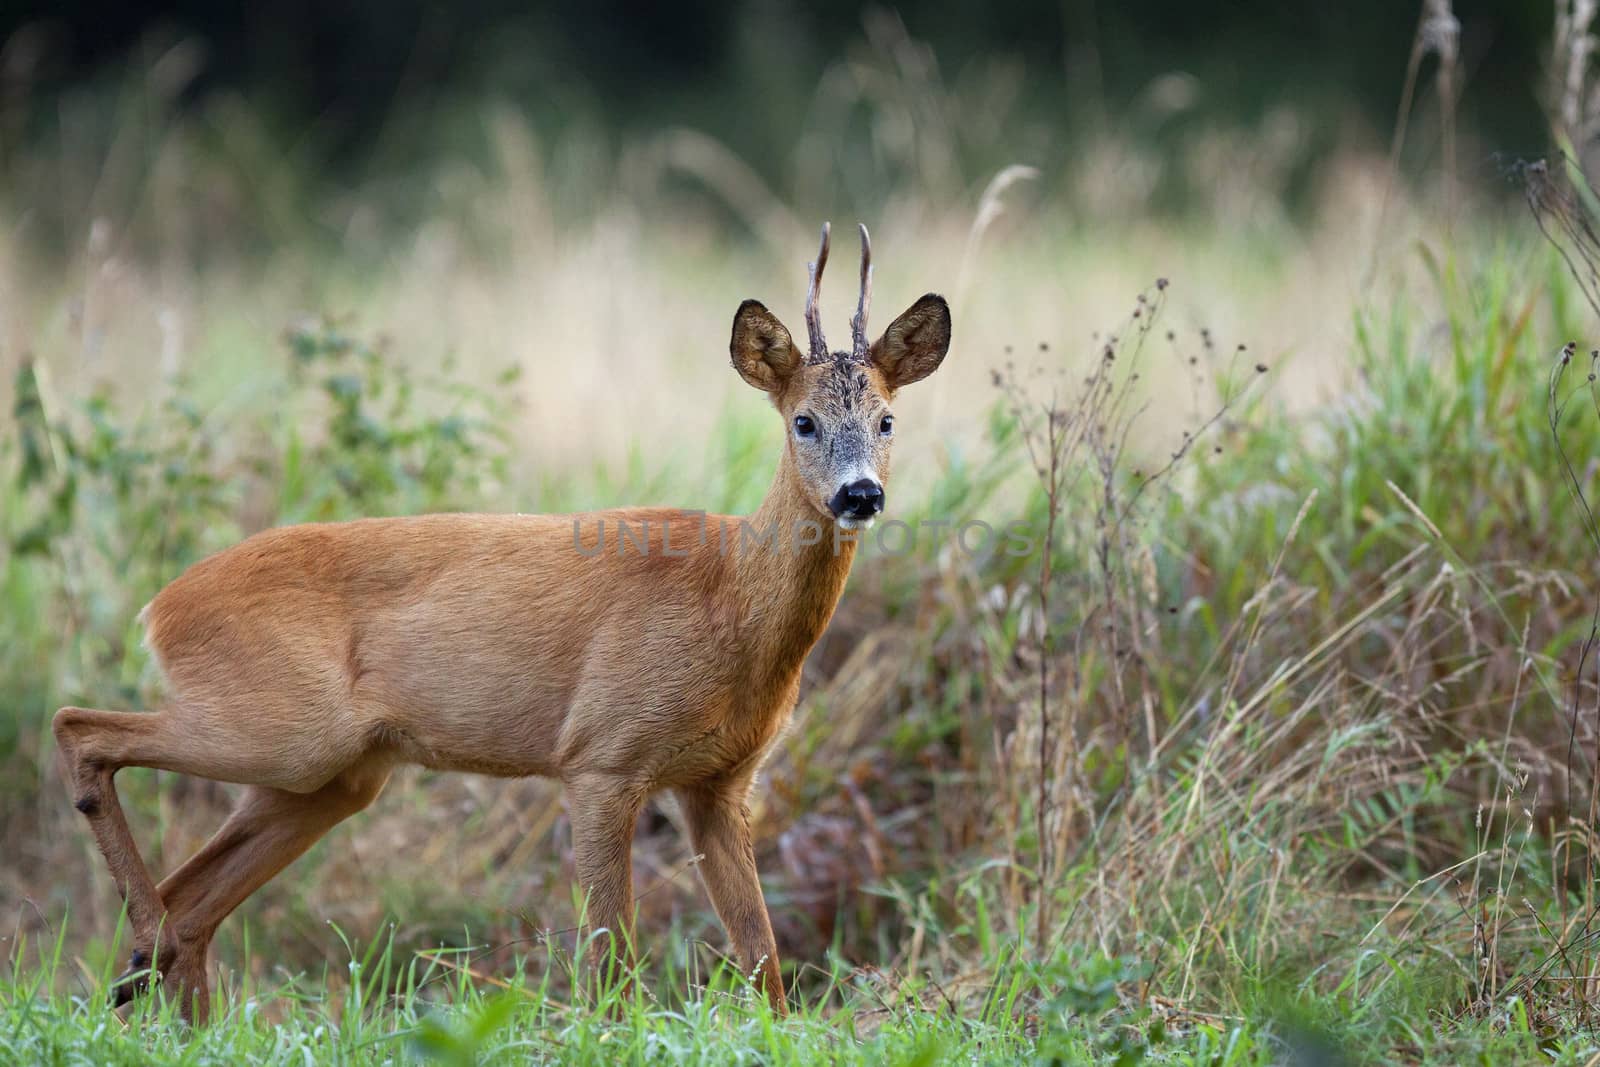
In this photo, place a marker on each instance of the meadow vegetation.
(1278, 746)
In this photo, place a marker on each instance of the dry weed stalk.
(1564, 208)
(1438, 34)
(1094, 587)
(1289, 772)
(1576, 947)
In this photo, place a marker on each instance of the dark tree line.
(348, 66)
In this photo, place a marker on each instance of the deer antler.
(858, 325)
(819, 346)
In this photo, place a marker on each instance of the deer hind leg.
(268, 830)
(93, 745)
(719, 830)
(90, 746)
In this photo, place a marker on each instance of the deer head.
(836, 405)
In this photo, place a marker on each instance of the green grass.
(433, 1011)
(382, 1005)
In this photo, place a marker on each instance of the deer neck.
(790, 587)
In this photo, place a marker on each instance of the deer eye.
(886, 427)
(804, 426)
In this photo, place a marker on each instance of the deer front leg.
(604, 809)
(719, 830)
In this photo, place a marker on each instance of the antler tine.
(819, 346)
(858, 325)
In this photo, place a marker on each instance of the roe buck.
(308, 661)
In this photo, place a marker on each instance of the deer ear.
(762, 350)
(914, 344)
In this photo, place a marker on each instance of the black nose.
(859, 500)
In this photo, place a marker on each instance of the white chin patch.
(849, 523)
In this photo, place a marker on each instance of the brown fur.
(308, 661)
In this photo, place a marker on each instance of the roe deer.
(308, 661)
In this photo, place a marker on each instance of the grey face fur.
(836, 406)
(840, 432)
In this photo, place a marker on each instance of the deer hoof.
(132, 983)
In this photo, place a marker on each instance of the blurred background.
(505, 181)
(298, 261)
